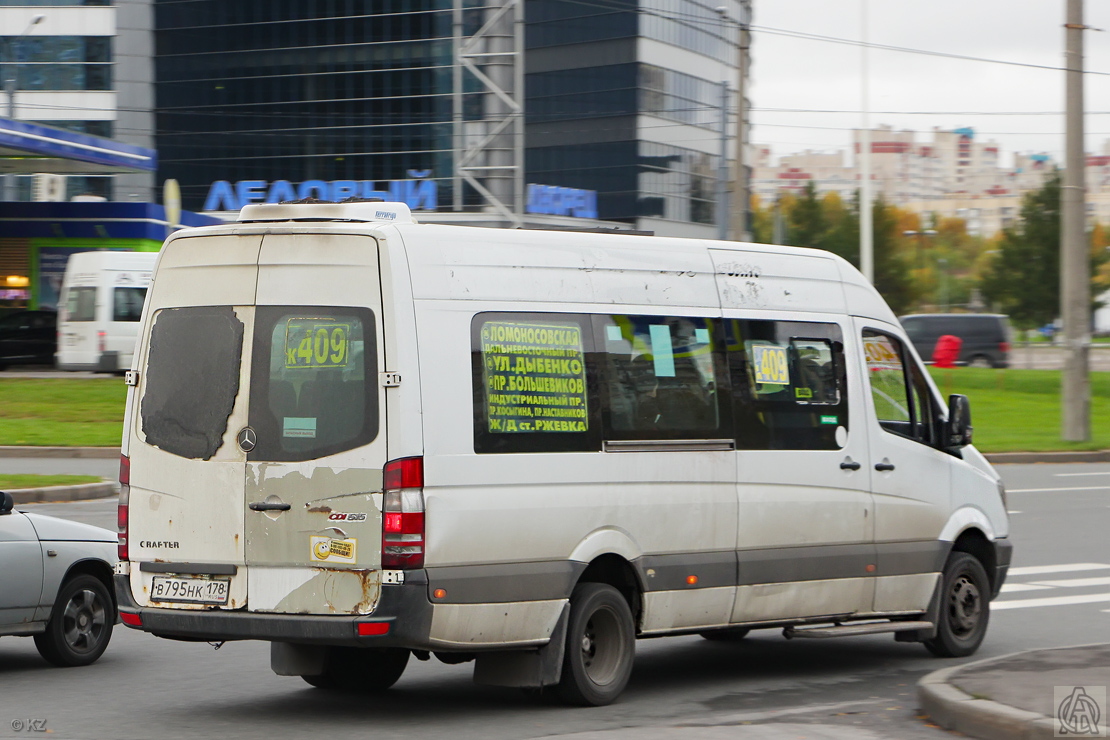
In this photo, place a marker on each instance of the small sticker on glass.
(829, 420)
(303, 427)
(702, 336)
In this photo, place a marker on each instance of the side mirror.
(7, 503)
(959, 421)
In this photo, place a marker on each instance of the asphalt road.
(684, 688)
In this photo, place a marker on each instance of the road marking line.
(1051, 601)
(1034, 570)
(1076, 582)
(1056, 490)
(1010, 588)
(1072, 475)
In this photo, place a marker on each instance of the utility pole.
(866, 228)
(740, 191)
(1075, 278)
(722, 169)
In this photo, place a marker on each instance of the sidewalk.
(1018, 697)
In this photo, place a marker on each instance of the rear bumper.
(405, 608)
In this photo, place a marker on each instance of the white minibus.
(99, 308)
(364, 439)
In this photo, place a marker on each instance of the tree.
(1024, 278)
(805, 222)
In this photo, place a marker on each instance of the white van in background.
(99, 309)
(365, 439)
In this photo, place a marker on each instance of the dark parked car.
(28, 338)
(986, 337)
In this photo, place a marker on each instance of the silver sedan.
(55, 584)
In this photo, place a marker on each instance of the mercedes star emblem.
(248, 438)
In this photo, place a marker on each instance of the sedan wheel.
(80, 625)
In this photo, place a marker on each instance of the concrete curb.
(953, 709)
(81, 492)
(1049, 457)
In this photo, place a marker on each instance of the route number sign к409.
(316, 343)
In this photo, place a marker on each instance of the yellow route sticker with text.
(770, 364)
(328, 550)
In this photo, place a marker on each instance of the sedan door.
(20, 571)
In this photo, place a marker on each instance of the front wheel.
(360, 669)
(601, 644)
(80, 625)
(964, 607)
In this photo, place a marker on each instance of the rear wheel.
(80, 625)
(360, 669)
(980, 361)
(728, 634)
(964, 608)
(601, 644)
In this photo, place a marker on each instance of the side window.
(662, 379)
(127, 304)
(789, 386)
(81, 304)
(532, 383)
(899, 390)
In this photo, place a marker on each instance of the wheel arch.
(616, 571)
(975, 543)
(98, 569)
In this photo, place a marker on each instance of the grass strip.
(62, 412)
(12, 482)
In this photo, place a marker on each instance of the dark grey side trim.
(504, 582)
(185, 569)
(817, 563)
(669, 572)
(905, 558)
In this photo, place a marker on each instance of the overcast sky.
(815, 75)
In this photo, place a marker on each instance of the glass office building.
(625, 98)
(621, 97)
(302, 90)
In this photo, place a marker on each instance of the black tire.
(728, 634)
(360, 669)
(601, 645)
(80, 625)
(964, 607)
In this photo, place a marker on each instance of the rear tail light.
(121, 509)
(403, 514)
(1004, 346)
(101, 341)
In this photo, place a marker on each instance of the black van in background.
(986, 336)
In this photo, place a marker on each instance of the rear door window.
(313, 381)
(192, 379)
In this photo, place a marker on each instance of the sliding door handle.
(850, 464)
(884, 466)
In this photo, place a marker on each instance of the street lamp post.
(9, 89)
